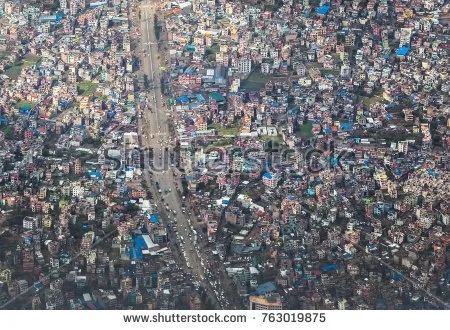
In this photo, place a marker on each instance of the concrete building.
(267, 302)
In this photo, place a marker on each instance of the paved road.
(154, 132)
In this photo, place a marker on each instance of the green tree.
(76, 230)
(9, 133)
(110, 229)
(45, 152)
(92, 141)
(132, 208)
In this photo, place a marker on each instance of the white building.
(245, 65)
(265, 68)
(30, 223)
(77, 191)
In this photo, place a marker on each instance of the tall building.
(271, 180)
(27, 261)
(77, 166)
(86, 243)
(194, 302)
(36, 303)
(30, 223)
(267, 302)
(63, 4)
(245, 65)
(5, 276)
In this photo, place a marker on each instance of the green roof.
(217, 97)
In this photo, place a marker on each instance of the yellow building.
(267, 302)
(47, 221)
(5, 275)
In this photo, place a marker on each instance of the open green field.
(305, 130)
(274, 138)
(31, 60)
(372, 99)
(3, 55)
(14, 70)
(223, 130)
(215, 48)
(223, 142)
(23, 103)
(255, 81)
(326, 72)
(87, 88)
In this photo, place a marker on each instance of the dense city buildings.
(262, 155)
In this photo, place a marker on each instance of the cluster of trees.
(76, 230)
(157, 28)
(95, 142)
(8, 132)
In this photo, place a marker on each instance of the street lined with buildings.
(155, 134)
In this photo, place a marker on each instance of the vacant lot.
(305, 130)
(274, 138)
(14, 70)
(31, 60)
(372, 99)
(255, 81)
(87, 88)
(224, 130)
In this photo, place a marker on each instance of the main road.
(154, 132)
